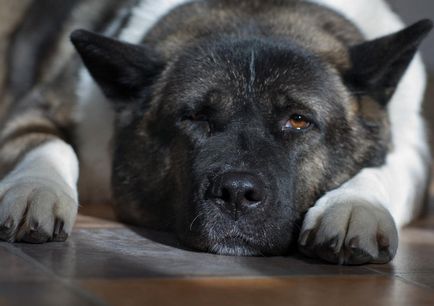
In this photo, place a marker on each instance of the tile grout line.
(377, 271)
(409, 281)
(68, 283)
(397, 276)
(369, 269)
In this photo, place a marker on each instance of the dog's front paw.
(348, 230)
(36, 210)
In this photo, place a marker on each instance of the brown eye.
(199, 120)
(199, 117)
(297, 122)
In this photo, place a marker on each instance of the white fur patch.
(41, 191)
(94, 115)
(53, 159)
(399, 184)
(94, 131)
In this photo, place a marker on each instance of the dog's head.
(231, 141)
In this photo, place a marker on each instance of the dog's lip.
(229, 243)
(232, 244)
(235, 246)
(235, 250)
(239, 240)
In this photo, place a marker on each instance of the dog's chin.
(228, 247)
(232, 246)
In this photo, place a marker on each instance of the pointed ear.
(122, 70)
(378, 65)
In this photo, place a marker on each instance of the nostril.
(253, 195)
(238, 190)
(225, 195)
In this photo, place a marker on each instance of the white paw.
(36, 210)
(348, 230)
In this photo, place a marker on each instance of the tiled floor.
(107, 263)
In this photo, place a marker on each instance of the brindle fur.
(247, 66)
(155, 143)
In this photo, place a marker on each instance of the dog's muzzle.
(237, 192)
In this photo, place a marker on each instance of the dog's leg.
(39, 171)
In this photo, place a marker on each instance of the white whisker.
(191, 224)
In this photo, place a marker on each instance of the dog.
(245, 127)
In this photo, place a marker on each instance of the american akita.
(242, 126)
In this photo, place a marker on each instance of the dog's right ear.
(379, 64)
(122, 70)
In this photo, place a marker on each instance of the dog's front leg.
(351, 224)
(39, 171)
(357, 223)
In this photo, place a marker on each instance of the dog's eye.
(199, 120)
(200, 117)
(297, 122)
(197, 117)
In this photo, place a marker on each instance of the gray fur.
(207, 94)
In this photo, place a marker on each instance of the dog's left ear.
(378, 65)
(122, 70)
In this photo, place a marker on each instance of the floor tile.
(13, 268)
(96, 216)
(424, 279)
(300, 291)
(84, 221)
(127, 253)
(46, 293)
(99, 210)
(415, 253)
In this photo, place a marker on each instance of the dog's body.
(370, 166)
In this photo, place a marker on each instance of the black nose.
(239, 191)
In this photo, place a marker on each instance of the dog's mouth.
(235, 246)
(236, 213)
(237, 239)
(229, 245)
